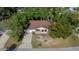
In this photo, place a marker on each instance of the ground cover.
(45, 41)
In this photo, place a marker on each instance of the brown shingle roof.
(38, 23)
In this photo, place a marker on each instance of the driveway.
(3, 40)
(26, 43)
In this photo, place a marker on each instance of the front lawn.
(45, 41)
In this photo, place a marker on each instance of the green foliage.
(61, 19)
(16, 25)
(60, 28)
(74, 18)
(36, 13)
(7, 11)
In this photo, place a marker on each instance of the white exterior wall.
(34, 30)
(40, 32)
(42, 28)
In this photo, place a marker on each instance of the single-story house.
(38, 26)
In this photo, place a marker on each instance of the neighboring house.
(38, 26)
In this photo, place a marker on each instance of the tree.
(36, 13)
(16, 24)
(7, 11)
(60, 27)
(74, 18)
(60, 19)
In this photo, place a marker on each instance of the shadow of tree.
(12, 48)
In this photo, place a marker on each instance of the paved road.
(46, 49)
(3, 40)
(26, 43)
(50, 49)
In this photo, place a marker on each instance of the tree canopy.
(61, 19)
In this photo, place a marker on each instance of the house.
(38, 26)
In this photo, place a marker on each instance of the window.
(45, 30)
(37, 30)
(42, 30)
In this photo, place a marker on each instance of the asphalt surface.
(49, 49)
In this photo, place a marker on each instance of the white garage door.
(29, 30)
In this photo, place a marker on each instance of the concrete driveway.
(26, 43)
(3, 39)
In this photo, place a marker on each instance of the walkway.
(26, 43)
(3, 40)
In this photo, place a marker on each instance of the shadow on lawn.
(12, 48)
